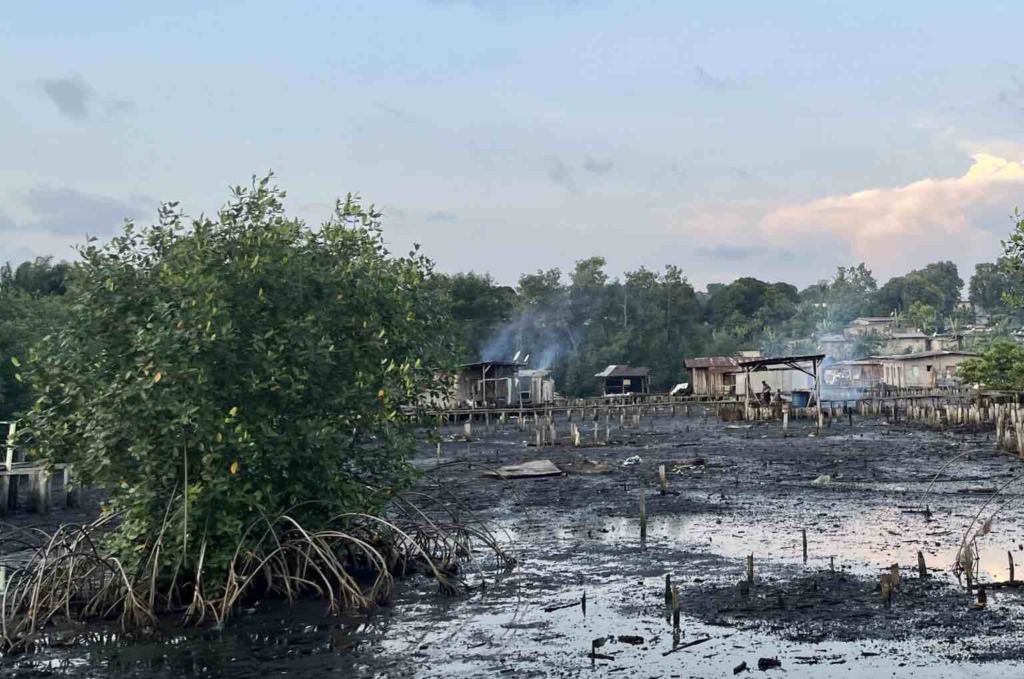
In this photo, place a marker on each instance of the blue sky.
(727, 138)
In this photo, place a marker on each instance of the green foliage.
(937, 285)
(38, 277)
(924, 317)
(216, 369)
(992, 285)
(477, 305)
(24, 320)
(868, 344)
(1000, 367)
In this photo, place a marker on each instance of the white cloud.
(898, 228)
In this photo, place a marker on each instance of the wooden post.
(785, 422)
(803, 533)
(664, 480)
(467, 430)
(643, 518)
(886, 588)
(922, 567)
(1009, 555)
(439, 452)
(675, 608)
(41, 491)
(5, 492)
(750, 569)
(668, 589)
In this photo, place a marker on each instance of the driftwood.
(695, 642)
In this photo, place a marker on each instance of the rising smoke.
(528, 335)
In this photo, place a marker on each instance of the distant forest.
(578, 322)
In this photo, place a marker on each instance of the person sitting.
(766, 393)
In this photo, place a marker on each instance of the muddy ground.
(858, 490)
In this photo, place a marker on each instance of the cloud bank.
(901, 227)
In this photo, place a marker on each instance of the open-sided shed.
(625, 379)
(806, 366)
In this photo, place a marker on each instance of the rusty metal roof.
(711, 362)
(623, 371)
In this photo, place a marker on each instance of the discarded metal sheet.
(531, 469)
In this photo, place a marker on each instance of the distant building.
(869, 325)
(923, 369)
(906, 343)
(624, 379)
(713, 375)
(946, 342)
(856, 374)
(836, 345)
(486, 383)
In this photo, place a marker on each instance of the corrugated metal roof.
(623, 371)
(711, 362)
(924, 354)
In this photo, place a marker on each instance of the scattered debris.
(742, 667)
(765, 664)
(822, 480)
(695, 642)
(525, 470)
(690, 465)
(585, 466)
(632, 639)
(632, 460)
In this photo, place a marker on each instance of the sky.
(779, 140)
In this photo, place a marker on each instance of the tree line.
(579, 321)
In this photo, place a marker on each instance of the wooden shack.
(713, 376)
(924, 369)
(624, 379)
(486, 384)
(535, 387)
(856, 374)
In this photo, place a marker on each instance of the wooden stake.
(664, 480)
(1009, 555)
(438, 452)
(750, 569)
(643, 518)
(675, 608)
(922, 567)
(668, 589)
(803, 533)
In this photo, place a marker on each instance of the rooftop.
(498, 364)
(711, 362)
(923, 354)
(623, 371)
(784, 361)
(864, 320)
